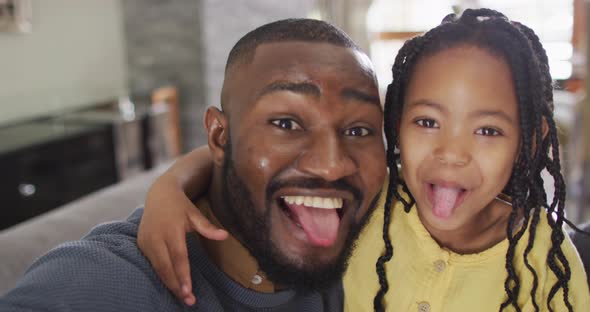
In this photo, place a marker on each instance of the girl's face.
(459, 137)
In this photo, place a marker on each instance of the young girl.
(470, 110)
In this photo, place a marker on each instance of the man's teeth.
(314, 201)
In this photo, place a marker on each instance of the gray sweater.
(105, 271)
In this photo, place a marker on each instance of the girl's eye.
(427, 123)
(286, 123)
(357, 131)
(487, 131)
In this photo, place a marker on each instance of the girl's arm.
(169, 214)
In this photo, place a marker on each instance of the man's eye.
(427, 123)
(357, 131)
(487, 131)
(286, 123)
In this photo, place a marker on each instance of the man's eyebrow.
(354, 94)
(305, 88)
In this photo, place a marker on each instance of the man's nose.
(453, 151)
(327, 157)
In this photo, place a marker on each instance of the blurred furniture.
(584, 198)
(126, 137)
(45, 164)
(167, 98)
(578, 157)
(49, 162)
(22, 244)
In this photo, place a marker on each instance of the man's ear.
(216, 124)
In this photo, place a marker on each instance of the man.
(298, 165)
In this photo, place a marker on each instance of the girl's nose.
(452, 153)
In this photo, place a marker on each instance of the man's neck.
(229, 255)
(216, 202)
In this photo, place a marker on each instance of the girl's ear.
(216, 125)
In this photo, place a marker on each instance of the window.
(392, 22)
(552, 21)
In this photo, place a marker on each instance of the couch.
(21, 244)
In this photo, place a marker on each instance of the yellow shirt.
(424, 277)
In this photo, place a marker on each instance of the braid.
(404, 62)
(556, 259)
(521, 49)
(543, 62)
(529, 247)
(394, 179)
(522, 169)
(512, 283)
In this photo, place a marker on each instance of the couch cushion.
(21, 244)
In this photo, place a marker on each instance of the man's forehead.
(290, 53)
(315, 63)
(309, 61)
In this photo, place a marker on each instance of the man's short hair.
(292, 29)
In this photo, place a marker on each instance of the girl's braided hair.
(520, 47)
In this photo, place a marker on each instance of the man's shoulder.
(121, 229)
(107, 243)
(103, 269)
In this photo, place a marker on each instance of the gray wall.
(82, 52)
(164, 47)
(73, 57)
(186, 42)
(228, 21)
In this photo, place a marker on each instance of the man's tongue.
(320, 225)
(444, 200)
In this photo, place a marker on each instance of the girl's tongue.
(444, 200)
(320, 225)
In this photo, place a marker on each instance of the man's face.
(305, 159)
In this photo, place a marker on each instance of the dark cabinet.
(47, 164)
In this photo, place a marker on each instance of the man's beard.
(253, 229)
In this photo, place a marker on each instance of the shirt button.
(423, 307)
(439, 266)
(256, 280)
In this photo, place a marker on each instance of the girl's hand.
(168, 215)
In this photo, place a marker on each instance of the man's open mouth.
(318, 217)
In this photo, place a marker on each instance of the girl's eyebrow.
(428, 103)
(476, 114)
(492, 113)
